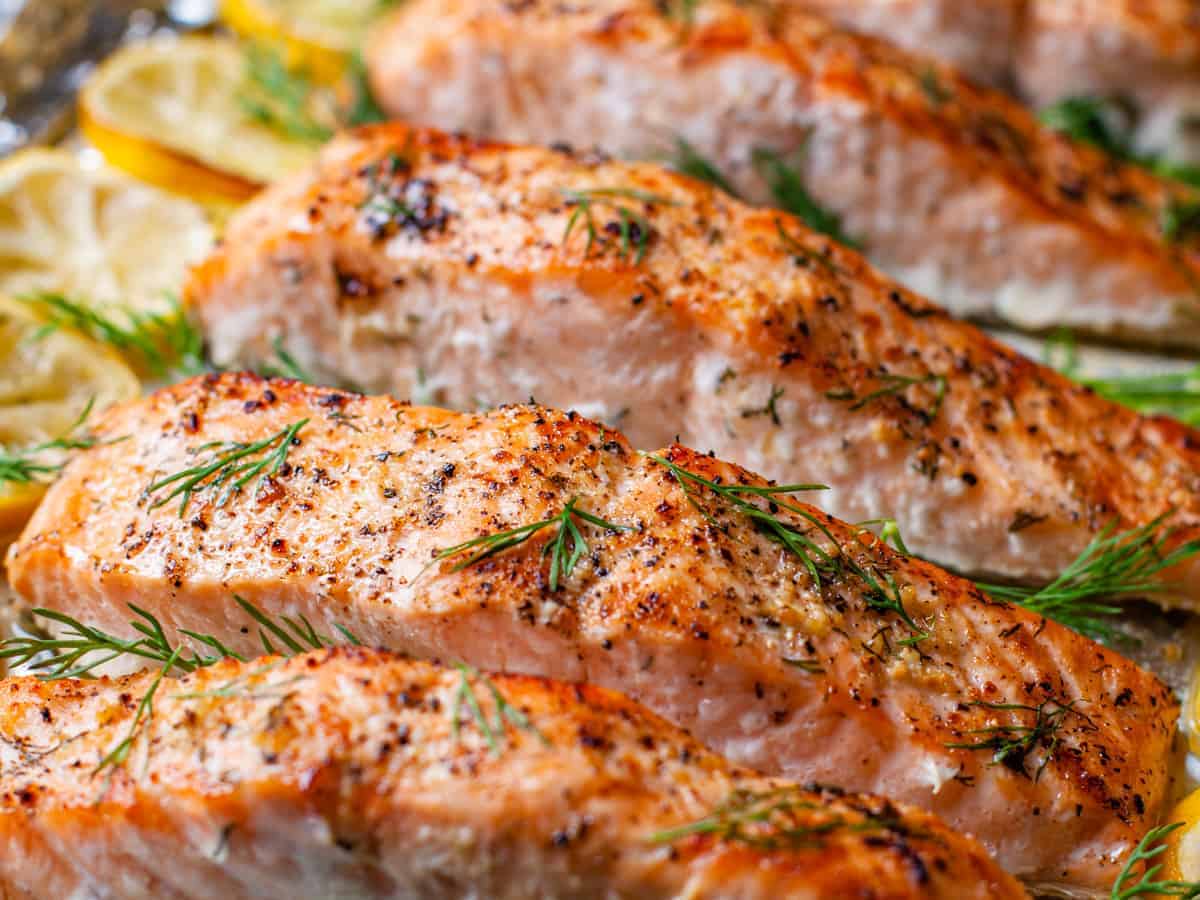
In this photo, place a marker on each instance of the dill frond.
(226, 468)
(494, 733)
(1147, 855)
(632, 229)
(1012, 743)
(1115, 564)
(30, 465)
(565, 549)
(788, 190)
(165, 344)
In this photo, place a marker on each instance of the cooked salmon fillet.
(827, 657)
(1145, 52)
(353, 773)
(420, 265)
(955, 190)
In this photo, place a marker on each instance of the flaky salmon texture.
(353, 773)
(470, 274)
(955, 190)
(526, 540)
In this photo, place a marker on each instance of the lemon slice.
(47, 383)
(318, 36)
(92, 234)
(1181, 861)
(172, 111)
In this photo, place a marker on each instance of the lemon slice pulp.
(92, 234)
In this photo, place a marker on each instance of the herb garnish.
(163, 343)
(1099, 122)
(787, 188)
(882, 594)
(892, 385)
(565, 550)
(769, 410)
(1011, 744)
(1147, 884)
(1181, 220)
(632, 227)
(54, 658)
(493, 733)
(284, 365)
(280, 98)
(227, 467)
(116, 757)
(80, 649)
(687, 160)
(768, 820)
(289, 100)
(1114, 564)
(29, 465)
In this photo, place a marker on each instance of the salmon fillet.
(954, 190)
(736, 330)
(854, 665)
(352, 773)
(1146, 52)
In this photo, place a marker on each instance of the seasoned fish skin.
(954, 190)
(339, 774)
(738, 331)
(683, 605)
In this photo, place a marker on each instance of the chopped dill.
(632, 228)
(1011, 744)
(896, 385)
(226, 468)
(769, 410)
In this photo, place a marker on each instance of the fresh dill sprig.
(1114, 564)
(1103, 123)
(1146, 855)
(80, 648)
(116, 757)
(493, 732)
(894, 385)
(1174, 394)
(767, 820)
(565, 550)
(882, 594)
(632, 228)
(227, 468)
(1011, 744)
(787, 188)
(889, 532)
(280, 98)
(682, 11)
(28, 465)
(687, 160)
(163, 343)
(1181, 220)
(284, 365)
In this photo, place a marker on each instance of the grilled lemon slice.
(175, 112)
(48, 384)
(92, 234)
(318, 36)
